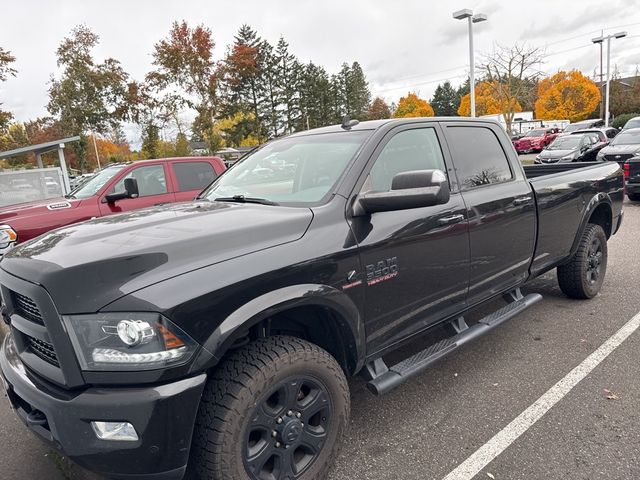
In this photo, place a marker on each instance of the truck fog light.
(117, 431)
(135, 332)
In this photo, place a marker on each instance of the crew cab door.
(190, 178)
(500, 207)
(415, 261)
(152, 187)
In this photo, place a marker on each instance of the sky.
(403, 45)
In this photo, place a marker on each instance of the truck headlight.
(128, 341)
(7, 236)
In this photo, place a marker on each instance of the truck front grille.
(43, 349)
(27, 308)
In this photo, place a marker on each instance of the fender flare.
(268, 304)
(597, 200)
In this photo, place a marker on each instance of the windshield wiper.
(243, 199)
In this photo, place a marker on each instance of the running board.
(385, 379)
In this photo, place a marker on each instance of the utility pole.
(601, 80)
(471, 18)
(600, 40)
(95, 147)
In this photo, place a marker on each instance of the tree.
(88, 96)
(567, 95)
(378, 110)
(412, 106)
(509, 72)
(184, 60)
(487, 103)
(358, 94)
(288, 82)
(445, 100)
(624, 97)
(6, 59)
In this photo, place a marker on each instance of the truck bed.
(564, 193)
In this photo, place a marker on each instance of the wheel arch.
(599, 210)
(340, 330)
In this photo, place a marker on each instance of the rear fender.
(595, 202)
(253, 312)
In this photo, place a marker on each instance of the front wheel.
(275, 409)
(583, 275)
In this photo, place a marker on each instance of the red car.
(117, 188)
(535, 140)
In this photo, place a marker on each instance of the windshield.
(633, 123)
(535, 133)
(627, 138)
(291, 170)
(565, 143)
(574, 127)
(90, 187)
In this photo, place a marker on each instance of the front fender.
(253, 312)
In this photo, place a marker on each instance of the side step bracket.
(382, 379)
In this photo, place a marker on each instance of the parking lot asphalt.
(427, 427)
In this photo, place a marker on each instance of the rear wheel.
(274, 410)
(583, 276)
(635, 197)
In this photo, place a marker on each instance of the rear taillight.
(626, 169)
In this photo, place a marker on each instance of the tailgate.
(634, 172)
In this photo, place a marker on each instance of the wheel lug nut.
(279, 420)
(298, 414)
(289, 413)
(278, 444)
(274, 434)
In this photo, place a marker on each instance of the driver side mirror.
(130, 191)
(413, 189)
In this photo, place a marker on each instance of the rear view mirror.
(414, 189)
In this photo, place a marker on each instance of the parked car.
(535, 140)
(591, 123)
(221, 331)
(632, 178)
(576, 147)
(151, 182)
(606, 134)
(622, 148)
(632, 123)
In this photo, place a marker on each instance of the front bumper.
(163, 416)
(6, 249)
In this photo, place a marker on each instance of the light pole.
(477, 18)
(600, 40)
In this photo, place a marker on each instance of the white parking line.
(509, 434)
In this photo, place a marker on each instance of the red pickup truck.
(535, 140)
(117, 188)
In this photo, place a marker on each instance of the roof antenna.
(347, 123)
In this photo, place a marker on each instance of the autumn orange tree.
(487, 102)
(378, 110)
(567, 95)
(413, 106)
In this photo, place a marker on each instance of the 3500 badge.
(382, 271)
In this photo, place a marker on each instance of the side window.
(416, 149)
(478, 156)
(193, 175)
(151, 180)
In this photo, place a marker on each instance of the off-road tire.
(573, 276)
(239, 383)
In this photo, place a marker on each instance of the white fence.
(19, 186)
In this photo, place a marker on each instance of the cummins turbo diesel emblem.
(381, 271)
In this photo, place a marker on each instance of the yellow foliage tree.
(413, 106)
(566, 95)
(487, 101)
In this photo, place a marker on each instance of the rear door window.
(478, 156)
(193, 175)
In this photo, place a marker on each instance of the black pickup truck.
(215, 337)
(632, 178)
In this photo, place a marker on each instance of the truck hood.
(39, 207)
(88, 265)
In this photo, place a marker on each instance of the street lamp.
(477, 18)
(600, 40)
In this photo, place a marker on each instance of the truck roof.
(169, 159)
(375, 124)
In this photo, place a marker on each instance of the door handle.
(521, 200)
(451, 220)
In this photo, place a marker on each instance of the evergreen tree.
(288, 80)
(358, 94)
(445, 100)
